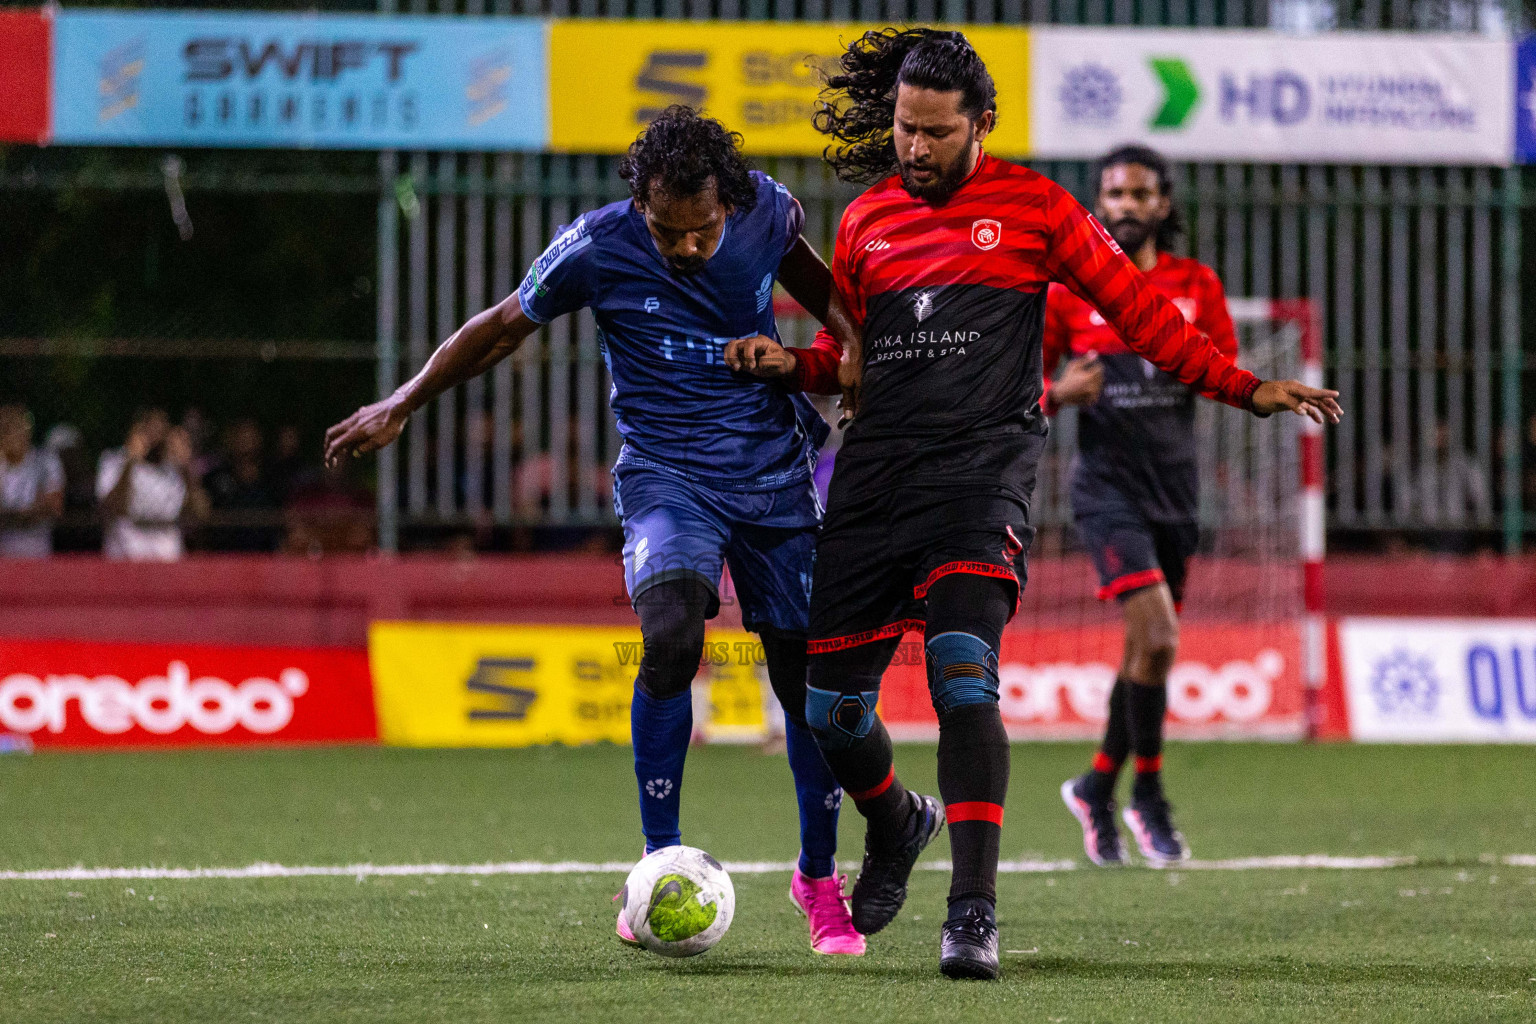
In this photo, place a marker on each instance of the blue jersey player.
(716, 463)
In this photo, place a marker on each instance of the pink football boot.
(822, 901)
(622, 928)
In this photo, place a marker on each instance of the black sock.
(973, 779)
(867, 773)
(1146, 706)
(1100, 781)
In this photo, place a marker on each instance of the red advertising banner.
(72, 694)
(1231, 681)
(25, 45)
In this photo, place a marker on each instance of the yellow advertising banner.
(462, 685)
(608, 79)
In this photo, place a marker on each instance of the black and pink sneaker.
(1101, 837)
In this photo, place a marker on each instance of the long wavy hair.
(1172, 228)
(858, 105)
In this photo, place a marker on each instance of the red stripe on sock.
(1102, 762)
(1148, 765)
(974, 810)
(870, 794)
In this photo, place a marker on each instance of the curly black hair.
(682, 153)
(1172, 228)
(858, 107)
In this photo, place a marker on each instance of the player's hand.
(1081, 382)
(850, 377)
(760, 356)
(369, 429)
(1317, 404)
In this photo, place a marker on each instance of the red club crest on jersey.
(987, 233)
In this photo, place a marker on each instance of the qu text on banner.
(1346, 97)
(63, 693)
(463, 685)
(139, 78)
(608, 79)
(1440, 680)
(1525, 101)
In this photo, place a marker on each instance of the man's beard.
(1131, 234)
(686, 266)
(946, 184)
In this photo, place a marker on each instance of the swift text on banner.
(330, 81)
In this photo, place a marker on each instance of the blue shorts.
(675, 528)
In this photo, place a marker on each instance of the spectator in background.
(146, 488)
(327, 515)
(65, 441)
(240, 486)
(288, 461)
(31, 488)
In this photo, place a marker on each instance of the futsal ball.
(679, 901)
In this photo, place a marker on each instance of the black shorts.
(878, 555)
(1132, 552)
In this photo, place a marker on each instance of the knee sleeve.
(672, 625)
(786, 658)
(962, 669)
(839, 720)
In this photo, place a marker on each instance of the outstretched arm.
(485, 339)
(1084, 257)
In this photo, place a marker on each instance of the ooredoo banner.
(73, 694)
(1215, 94)
(137, 78)
(465, 685)
(1440, 680)
(1230, 682)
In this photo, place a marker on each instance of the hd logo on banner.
(461, 685)
(329, 81)
(1440, 680)
(1265, 96)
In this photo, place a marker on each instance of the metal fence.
(1416, 273)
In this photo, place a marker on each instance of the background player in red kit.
(1134, 491)
(945, 262)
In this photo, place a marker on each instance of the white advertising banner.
(1343, 97)
(1440, 680)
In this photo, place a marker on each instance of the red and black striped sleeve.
(1083, 256)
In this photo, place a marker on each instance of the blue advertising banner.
(327, 81)
(1525, 101)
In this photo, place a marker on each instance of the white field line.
(615, 867)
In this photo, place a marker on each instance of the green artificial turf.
(1452, 939)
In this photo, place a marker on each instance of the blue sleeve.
(563, 279)
(791, 213)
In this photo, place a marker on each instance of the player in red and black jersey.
(1134, 491)
(945, 262)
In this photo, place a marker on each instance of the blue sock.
(660, 731)
(819, 797)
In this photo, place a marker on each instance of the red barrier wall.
(328, 603)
